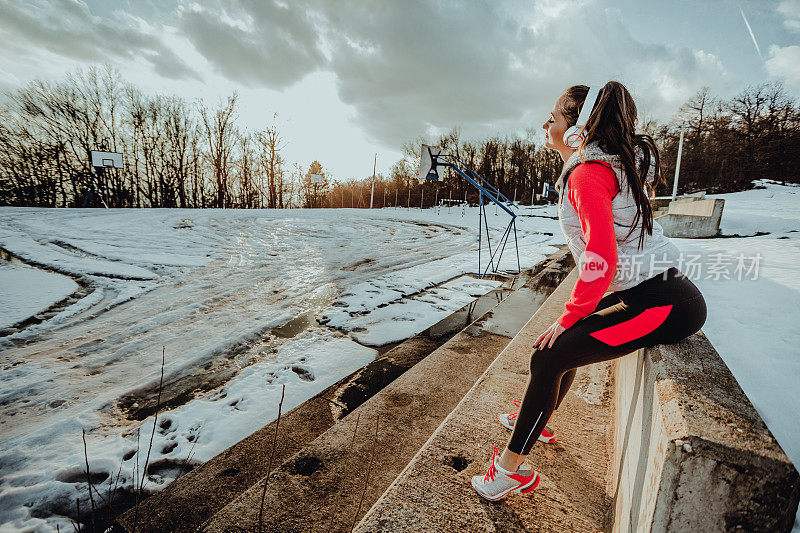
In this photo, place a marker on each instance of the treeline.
(176, 153)
(182, 154)
(729, 143)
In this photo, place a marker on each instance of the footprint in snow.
(303, 372)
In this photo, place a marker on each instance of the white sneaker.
(499, 483)
(508, 420)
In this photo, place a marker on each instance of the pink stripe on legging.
(632, 329)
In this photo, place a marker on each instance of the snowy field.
(211, 285)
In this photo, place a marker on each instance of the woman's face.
(554, 129)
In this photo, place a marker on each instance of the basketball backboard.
(315, 178)
(106, 159)
(427, 169)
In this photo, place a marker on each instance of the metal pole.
(395, 197)
(678, 165)
(409, 197)
(422, 199)
(372, 193)
(480, 208)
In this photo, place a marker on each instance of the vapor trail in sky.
(751, 34)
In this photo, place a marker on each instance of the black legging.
(661, 310)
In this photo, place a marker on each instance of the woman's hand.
(547, 338)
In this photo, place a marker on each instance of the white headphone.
(573, 137)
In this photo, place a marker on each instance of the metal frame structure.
(486, 189)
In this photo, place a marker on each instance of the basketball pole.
(484, 189)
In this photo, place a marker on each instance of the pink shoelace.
(492, 469)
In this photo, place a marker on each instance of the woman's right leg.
(567, 379)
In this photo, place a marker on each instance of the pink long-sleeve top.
(592, 185)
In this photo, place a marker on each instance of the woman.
(606, 216)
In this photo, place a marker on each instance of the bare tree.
(220, 133)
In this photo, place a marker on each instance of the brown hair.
(613, 124)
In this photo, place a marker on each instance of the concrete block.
(690, 451)
(692, 219)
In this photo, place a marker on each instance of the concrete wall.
(692, 218)
(690, 451)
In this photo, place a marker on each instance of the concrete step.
(325, 484)
(433, 493)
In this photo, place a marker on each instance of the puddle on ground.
(470, 312)
(319, 299)
(295, 326)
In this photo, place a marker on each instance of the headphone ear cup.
(573, 137)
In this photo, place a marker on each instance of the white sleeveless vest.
(634, 265)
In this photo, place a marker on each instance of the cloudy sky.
(349, 78)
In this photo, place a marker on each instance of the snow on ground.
(210, 286)
(28, 291)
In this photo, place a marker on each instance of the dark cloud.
(68, 28)
(406, 66)
(255, 42)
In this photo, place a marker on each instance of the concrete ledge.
(664, 201)
(691, 453)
